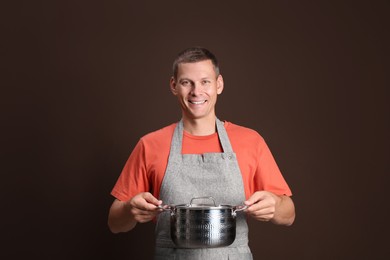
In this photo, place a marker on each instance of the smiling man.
(199, 156)
(197, 86)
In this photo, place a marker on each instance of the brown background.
(82, 81)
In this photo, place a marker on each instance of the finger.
(145, 215)
(143, 212)
(261, 213)
(264, 218)
(257, 196)
(149, 198)
(145, 201)
(256, 205)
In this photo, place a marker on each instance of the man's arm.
(124, 215)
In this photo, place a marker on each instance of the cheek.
(182, 94)
(213, 91)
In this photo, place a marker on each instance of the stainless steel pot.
(203, 225)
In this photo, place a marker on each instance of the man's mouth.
(197, 102)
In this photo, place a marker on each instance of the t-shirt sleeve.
(268, 175)
(133, 178)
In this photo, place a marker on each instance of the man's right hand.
(143, 207)
(124, 215)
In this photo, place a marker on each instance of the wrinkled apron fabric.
(197, 175)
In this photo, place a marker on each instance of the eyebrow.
(209, 78)
(182, 79)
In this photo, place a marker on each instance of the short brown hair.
(195, 54)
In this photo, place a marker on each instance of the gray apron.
(198, 175)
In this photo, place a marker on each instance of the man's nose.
(196, 88)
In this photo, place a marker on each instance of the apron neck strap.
(223, 137)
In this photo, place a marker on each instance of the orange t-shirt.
(145, 168)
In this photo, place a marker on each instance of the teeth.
(197, 102)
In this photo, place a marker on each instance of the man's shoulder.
(160, 134)
(244, 138)
(239, 130)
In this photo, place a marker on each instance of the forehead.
(203, 68)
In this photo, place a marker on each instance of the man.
(200, 156)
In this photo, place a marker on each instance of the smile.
(197, 102)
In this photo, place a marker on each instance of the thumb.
(254, 198)
(151, 199)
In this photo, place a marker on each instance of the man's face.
(197, 87)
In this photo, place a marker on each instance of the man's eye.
(185, 83)
(205, 82)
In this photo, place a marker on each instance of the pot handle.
(170, 208)
(238, 208)
(203, 198)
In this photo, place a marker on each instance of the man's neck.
(200, 127)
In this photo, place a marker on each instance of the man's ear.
(219, 84)
(172, 85)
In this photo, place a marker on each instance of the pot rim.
(192, 206)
